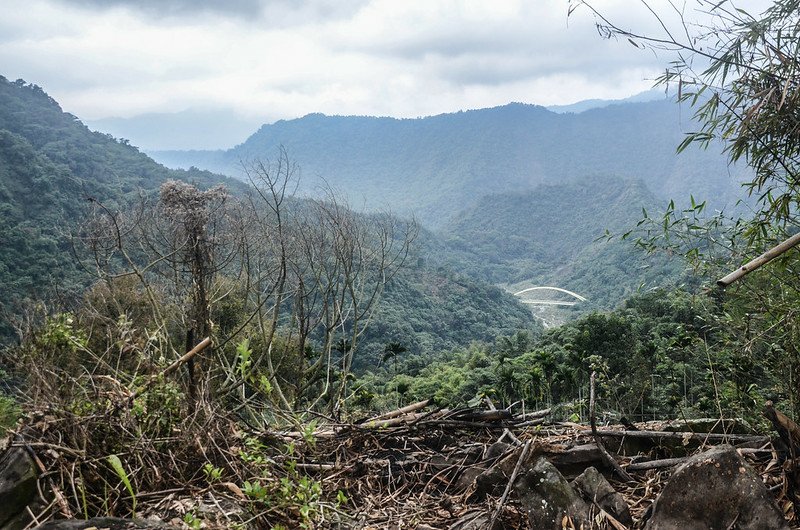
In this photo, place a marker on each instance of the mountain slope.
(50, 163)
(553, 236)
(435, 166)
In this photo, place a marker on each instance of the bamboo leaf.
(116, 465)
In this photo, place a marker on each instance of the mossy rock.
(17, 483)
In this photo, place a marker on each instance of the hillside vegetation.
(555, 235)
(50, 164)
(436, 166)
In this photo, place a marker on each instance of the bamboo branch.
(684, 435)
(399, 412)
(506, 432)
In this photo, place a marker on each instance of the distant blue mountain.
(436, 166)
(587, 104)
(188, 129)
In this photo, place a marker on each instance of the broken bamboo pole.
(607, 458)
(509, 485)
(205, 343)
(398, 412)
(763, 259)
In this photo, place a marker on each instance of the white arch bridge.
(576, 296)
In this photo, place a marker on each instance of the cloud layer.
(282, 58)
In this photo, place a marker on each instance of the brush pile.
(418, 467)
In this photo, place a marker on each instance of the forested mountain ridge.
(50, 164)
(434, 166)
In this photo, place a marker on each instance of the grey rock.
(496, 450)
(715, 490)
(17, 483)
(547, 497)
(594, 487)
(470, 474)
(468, 477)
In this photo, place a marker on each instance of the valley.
(505, 257)
(419, 265)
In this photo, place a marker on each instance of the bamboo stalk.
(509, 485)
(763, 259)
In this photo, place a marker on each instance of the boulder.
(496, 450)
(547, 497)
(594, 487)
(715, 490)
(569, 460)
(17, 483)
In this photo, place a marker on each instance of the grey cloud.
(493, 59)
(448, 42)
(489, 70)
(278, 13)
(176, 7)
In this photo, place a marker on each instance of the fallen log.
(530, 423)
(399, 412)
(681, 435)
(480, 415)
(392, 422)
(464, 423)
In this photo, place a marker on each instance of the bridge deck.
(547, 302)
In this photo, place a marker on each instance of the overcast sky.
(286, 58)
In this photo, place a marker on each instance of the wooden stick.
(506, 432)
(655, 464)
(392, 422)
(401, 411)
(763, 259)
(669, 462)
(205, 343)
(533, 415)
(607, 458)
(510, 485)
(530, 423)
(63, 505)
(462, 423)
